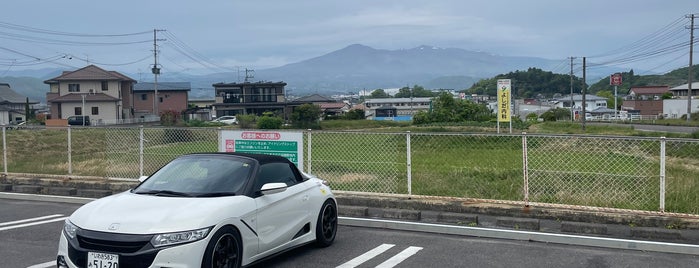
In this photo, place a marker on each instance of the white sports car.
(203, 210)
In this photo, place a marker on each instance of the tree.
(354, 114)
(246, 120)
(169, 118)
(556, 114)
(379, 94)
(28, 112)
(306, 116)
(269, 121)
(607, 94)
(415, 92)
(404, 92)
(448, 109)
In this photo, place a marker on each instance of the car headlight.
(70, 229)
(161, 240)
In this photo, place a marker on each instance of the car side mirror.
(273, 188)
(142, 178)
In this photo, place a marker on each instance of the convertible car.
(203, 210)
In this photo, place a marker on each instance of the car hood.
(130, 213)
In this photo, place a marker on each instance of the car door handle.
(305, 198)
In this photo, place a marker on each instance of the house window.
(160, 99)
(105, 85)
(78, 111)
(144, 96)
(95, 110)
(73, 87)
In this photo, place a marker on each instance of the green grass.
(620, 172)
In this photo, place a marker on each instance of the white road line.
(403, 255)
(32, 224)
(44, 265)
(28, 220)
(366, 256)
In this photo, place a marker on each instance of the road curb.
(524, 235)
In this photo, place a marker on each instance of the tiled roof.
(650, 90)
(695, 85)
(314, 98)
(90, 72)
(332, 105)
(7, 95)
(164, 86)
(76, 97)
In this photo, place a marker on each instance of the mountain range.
(351, 69)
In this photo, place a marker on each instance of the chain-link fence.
(594, 171)
(359, 161)
(652, 174)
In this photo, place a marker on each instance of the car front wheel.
(326, 227)
(224, 249)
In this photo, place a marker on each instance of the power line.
(44, 31)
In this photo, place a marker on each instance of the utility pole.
(689, 82)
(572, 113)
(584, 112)
(156, 70)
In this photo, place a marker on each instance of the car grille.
(111, 246)
(134, 250)
(113, 242)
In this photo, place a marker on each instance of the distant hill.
(350, 69)
(357, 66)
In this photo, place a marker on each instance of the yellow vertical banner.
(504, 88)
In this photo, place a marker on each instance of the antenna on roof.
(249, 74)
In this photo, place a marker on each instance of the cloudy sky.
(216, 35)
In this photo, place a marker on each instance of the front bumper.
(185, 255)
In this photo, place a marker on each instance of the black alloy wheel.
(224, 249)
(326, 227)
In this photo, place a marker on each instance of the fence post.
(663, 140)
(308, 161)
(219, 140)
(140, 151)
(525, 168)
(4, 149)
(409, 164)
(70, 151)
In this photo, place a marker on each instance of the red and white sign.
(615, 79)
(230, 146)
(260, 135)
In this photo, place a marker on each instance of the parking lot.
(29, 232)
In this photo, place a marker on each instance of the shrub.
(270, 122)
(246, 120)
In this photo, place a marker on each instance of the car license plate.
(102, 260)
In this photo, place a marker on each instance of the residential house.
(105, 96)
(328, 106)
(12, 105)
(681, 90)
(250, 98)
(397, 109)
(200, 109)
(592, 102)
(646, 100)
(677, 107)
(172, 96)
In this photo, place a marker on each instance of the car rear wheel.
(224, 249)
(326, 227)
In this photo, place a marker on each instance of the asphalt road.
(23, 245)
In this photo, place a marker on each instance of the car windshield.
(199, 176)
